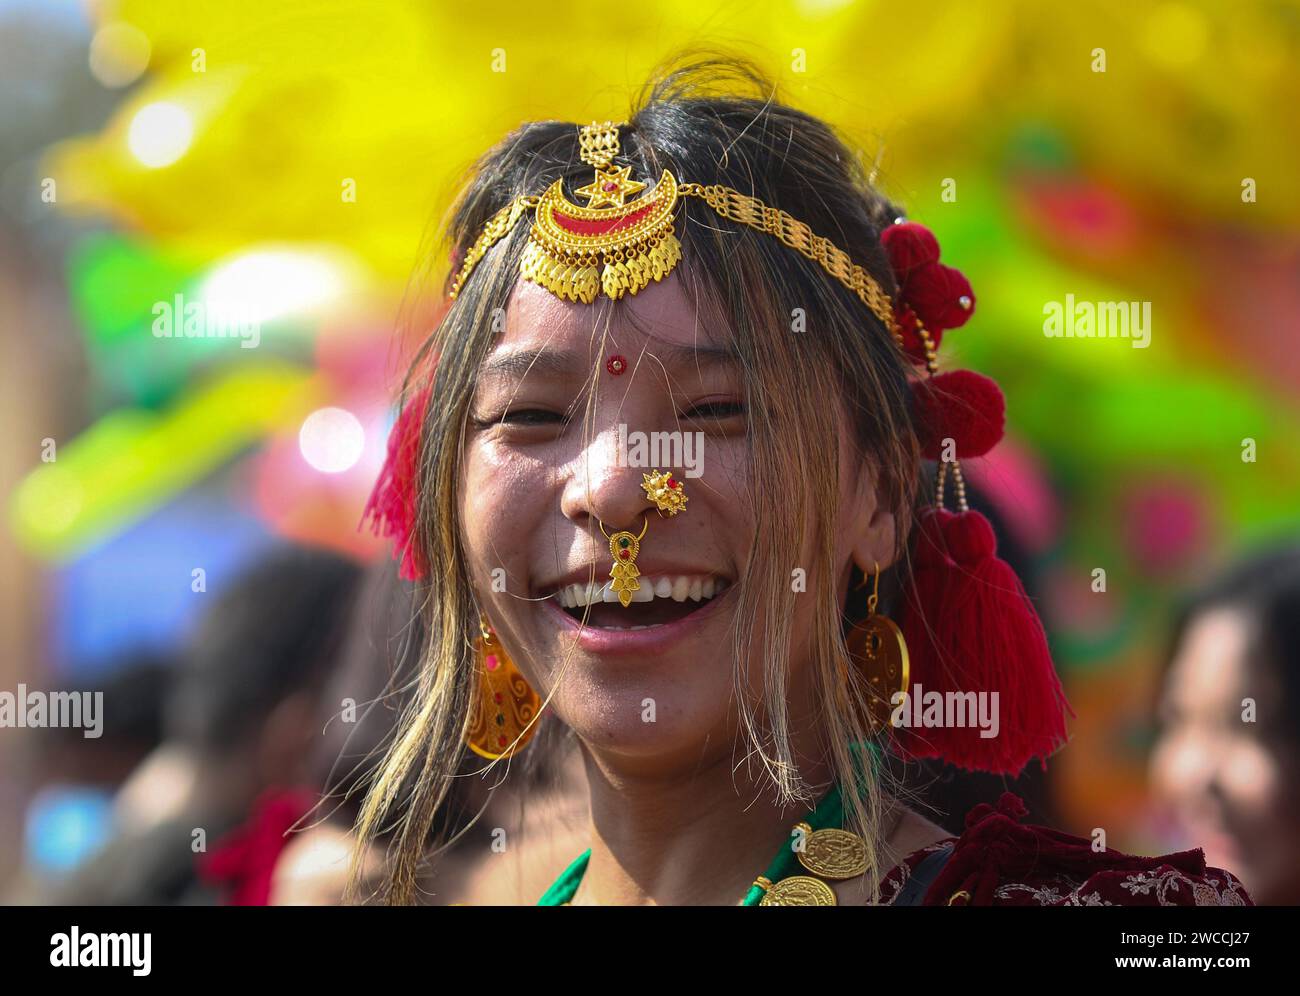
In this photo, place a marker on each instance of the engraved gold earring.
(879, 653)
(506, 705)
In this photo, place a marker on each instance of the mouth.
(661, 600)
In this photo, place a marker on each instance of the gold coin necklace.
(820, 849)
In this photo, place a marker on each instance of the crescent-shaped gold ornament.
(579, 252)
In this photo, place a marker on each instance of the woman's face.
(652, 681)
(1229, 783)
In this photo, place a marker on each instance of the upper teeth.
(696, 587)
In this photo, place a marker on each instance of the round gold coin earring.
(879, 652)
(506, 704)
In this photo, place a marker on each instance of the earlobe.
(874, 530)
(876, 542)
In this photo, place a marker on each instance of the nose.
(1189, 760)
(603, 488)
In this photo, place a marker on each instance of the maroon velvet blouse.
(998, 861)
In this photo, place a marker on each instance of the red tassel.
(392, 505)
(970, 627)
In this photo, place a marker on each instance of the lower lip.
(652, 640)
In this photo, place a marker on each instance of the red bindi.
(616, 365)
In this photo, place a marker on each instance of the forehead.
(1211, 658)
(663, 319)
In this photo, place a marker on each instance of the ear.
(873, 528)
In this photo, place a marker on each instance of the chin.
(683, 729)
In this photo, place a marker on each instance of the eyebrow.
(559, 363)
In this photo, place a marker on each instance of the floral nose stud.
(668, 494)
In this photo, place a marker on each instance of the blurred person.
(73, 779)
(218, 794)
(361, 709)
(1227, 760)
(356, 717)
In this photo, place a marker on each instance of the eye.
(716, 410)
(532, 416)
(523, 418)
(519, 418)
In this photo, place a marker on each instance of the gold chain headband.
(619, 247)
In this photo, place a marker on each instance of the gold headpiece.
(616, 246)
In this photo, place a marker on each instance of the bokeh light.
(160, 134)
(119, 54)
(332, 440)
(267, 284)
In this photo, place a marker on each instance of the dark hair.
(275, 631)
(1265, 587)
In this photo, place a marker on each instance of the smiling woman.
(733, 275)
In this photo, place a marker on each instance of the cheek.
(725, 469)
(499, 502)
(1252, 781)
(1179, 763)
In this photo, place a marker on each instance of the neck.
(688, 834)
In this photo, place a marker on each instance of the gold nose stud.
(668, 494)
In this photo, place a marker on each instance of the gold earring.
(506, 706)
(879, 652)
(624, 547)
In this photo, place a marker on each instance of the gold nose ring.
(624, 547)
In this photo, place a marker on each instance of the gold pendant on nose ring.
(624, 547)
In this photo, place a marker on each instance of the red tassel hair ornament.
(970, 627)
(968, 623)
(393, 504)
